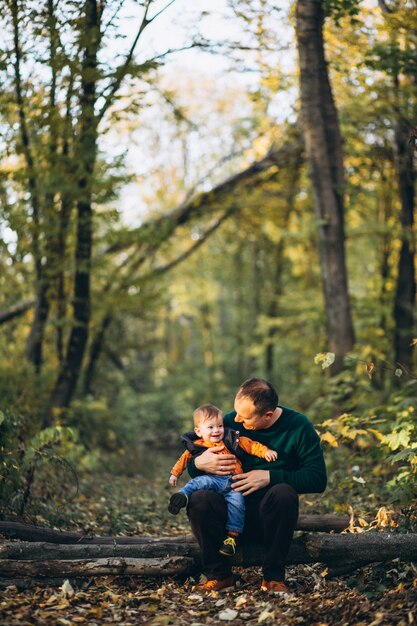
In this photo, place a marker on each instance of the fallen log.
(98, 567)
(28, 532)
(159, 557)
(26, 551)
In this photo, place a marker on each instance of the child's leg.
(179, 500)
(235, 511)
(235, 520)
(207, 482)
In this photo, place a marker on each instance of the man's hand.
(212, 463)
(251, 481)
(173, 480)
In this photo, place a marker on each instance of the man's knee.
(203, 504)
(281, 495)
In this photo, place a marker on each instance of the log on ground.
(29, 532)
(340, 553)
(114, 566)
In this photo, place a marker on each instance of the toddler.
(209, 431)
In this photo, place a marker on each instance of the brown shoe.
(275, 586)
(216, 585)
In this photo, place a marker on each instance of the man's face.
(247, 415)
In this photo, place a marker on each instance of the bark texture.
(405, 293)
(325, 158)
(86, 149)
(28, 532)
(98, 567)
(180, 555)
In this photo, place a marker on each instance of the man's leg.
(272, 518)
(279, 514)
(207, 513)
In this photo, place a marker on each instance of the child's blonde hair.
(205, 412)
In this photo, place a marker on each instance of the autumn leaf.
(329, 438)
(228, 615)
(370, 368)
(325, 359)
(67, 589)
(266, 615)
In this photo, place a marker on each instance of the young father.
(270, 489)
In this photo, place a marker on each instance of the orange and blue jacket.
(196, 446)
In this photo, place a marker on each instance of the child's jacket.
(196, 446)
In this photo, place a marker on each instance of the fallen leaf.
(228, 614)
(195, 597)
(67, 589)
(240, 601)
(266, 615)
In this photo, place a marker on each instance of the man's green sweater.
(300, 460)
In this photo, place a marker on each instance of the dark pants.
(271, 516)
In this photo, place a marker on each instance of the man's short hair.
(261, 392)
(205, 412)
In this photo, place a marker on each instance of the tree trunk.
(325, 157)
(28, 532)
(341, 554)
(86, 155)
(94, 353)
(279, 260)
(35, 339)
(99, 567)
(405, 293)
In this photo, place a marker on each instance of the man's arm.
(211, 463)
(310, 477)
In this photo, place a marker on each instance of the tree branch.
(122, 69)
(162, 269)
(15, 311)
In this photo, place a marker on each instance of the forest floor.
(379, 594)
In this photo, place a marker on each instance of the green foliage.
(247, 302)
(392, 59)
(372, 443)
(338, 9)
(36, 470)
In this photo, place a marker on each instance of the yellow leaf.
(384, 518)
(330, 439)
(370, 367)
(377, 434)
(266, 615)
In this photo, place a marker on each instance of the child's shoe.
(177, 502)
(229, 545)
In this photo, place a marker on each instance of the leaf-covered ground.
(375, 595)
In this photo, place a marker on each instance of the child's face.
(211, 430)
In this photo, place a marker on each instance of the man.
(270, 489)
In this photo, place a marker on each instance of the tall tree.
(394, 56)
(325, 157)
(85, 157)
(65, 85)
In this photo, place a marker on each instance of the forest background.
(192, 195)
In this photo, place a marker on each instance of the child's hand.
(173, 480)
(271, 455)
